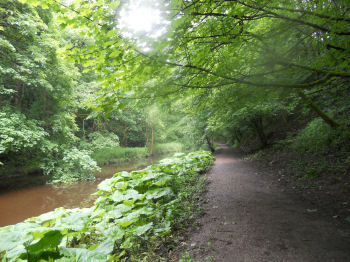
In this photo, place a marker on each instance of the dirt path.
(250, 218)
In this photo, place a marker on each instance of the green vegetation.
(315, 137)
(121, 154)
(269, 77)
(50, 119)
(133, 213)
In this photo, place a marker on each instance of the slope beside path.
(250, 218)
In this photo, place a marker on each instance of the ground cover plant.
(132, 211)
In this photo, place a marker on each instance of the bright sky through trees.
(141, 19)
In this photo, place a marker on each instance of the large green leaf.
(10, 240)
(140, 230)
(83, 255)
(49, 241)
(119, 196)
(159, 193)
(76, 220)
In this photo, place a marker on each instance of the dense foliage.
(258, 74)
(219, 59)
(131, 209)
(47, 124)
(37, 121)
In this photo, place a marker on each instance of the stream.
(20, 204)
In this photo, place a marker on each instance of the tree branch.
(242, 81)
(310, 13)
(299, 21)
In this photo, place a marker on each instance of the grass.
(122, 154)
(119, 154)
(168, 147)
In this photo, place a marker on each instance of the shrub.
(100, 141)
(18, 134)
(315, 137)
(30, 145)
(70, 165)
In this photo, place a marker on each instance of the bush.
(18, 134)
(100, 141)
(25, 146)
(70, 165)
(315, 137)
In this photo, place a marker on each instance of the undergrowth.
(121, 154)
(133, 215)
(168, 147)
(314, 161)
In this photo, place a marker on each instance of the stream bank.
(32, 197)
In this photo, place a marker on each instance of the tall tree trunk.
(152, 141)
(258, 126)
(147, 140)
(125, 137)
(237, 136)
(317, 109)
(210, 144)
(18, 95)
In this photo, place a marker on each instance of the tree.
(36, 91)
(220, 51)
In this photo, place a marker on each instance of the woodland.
(270, 78)
(255, 74)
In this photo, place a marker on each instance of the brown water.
(18, 205)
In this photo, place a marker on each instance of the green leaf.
(10, 240)
(119, 196)
(50, 240)
(106, 185)
(140, 230)
(76, 220)
(127, 244)
(125, 222)
(106, 247)
(114, 54)
(114, 233)
(159, 192)
(83, 255)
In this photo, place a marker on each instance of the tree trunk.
(125, 137)
(318, 110)
(152, 141)
(210, 144)
(258, 126)
(147, 142)
(237, 136)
